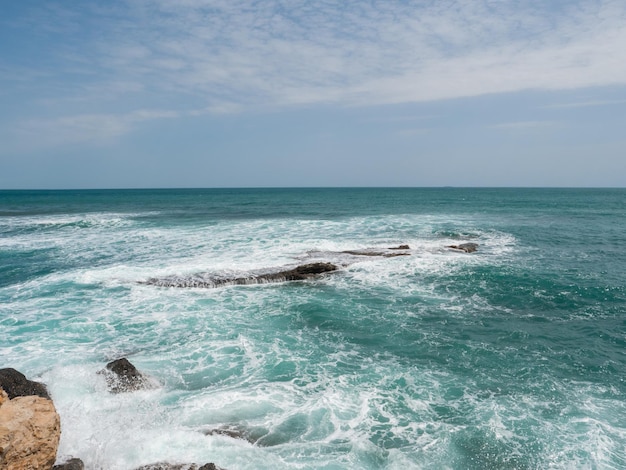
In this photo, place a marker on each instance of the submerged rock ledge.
(299, 273)
(466, 247)
(398, 251)
(170, 466)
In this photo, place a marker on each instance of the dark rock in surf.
(383, 254)
(122, 376)
(15, 384)
(466, 247)
(183, 466)
(232, 433)
(401, 247)
(299, 273)
(237, 432)
(71, 464)
(30, 427)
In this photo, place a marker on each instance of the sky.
(288, 93)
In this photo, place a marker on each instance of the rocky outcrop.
(251, 435)
(379, 253)
(299, 273)
(338, 259)
(71, 464)
(466, 247)
(169, 466)
(229, 432)
(122, 376)
(15, 384)
(30, 428)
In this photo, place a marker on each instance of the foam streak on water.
(508, 358)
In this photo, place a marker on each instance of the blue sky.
(230, 93)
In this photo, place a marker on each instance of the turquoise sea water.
(512, 357)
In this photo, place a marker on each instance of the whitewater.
(511, 357)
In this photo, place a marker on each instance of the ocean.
(510, 357)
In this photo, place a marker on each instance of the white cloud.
(355, 52)
(223, 56)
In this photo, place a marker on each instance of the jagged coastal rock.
(122, 376)
(237, 432)
(15, 384)
(466, 247)
(401, 250)
(30, 427)
(169, 466)
(299, 273)
(71, 464)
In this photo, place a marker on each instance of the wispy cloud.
(358, 52)
(223, 56)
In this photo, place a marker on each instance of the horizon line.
(192, 188)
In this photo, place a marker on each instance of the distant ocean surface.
(512, 357)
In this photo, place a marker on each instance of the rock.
(299, 273)
(122, 376)
(466, 247)
(169, 466)
(30, 430)
(372, 252)
(15, 384)
(232, 433)
(71, 464)
(401, 247)
(237, 432)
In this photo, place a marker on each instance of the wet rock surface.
(234, 431)
(170, 466)
(122, 376)
(466, 247)
(387, 253)
(299, 273)
(15, 384)
(322, 262)
(71, 464)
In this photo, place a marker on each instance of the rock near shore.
(205, 280)
(466, 247)
(30, 427)
(169, 466)
(15, 384)
(71, 464)
(122, 376)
